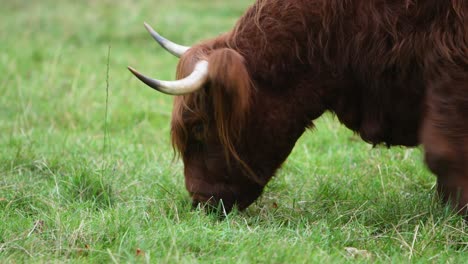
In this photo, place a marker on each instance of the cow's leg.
(445, 139)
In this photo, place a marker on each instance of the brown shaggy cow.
(395, 72)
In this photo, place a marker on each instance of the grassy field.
(72, 192)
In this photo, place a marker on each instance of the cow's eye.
(197, 131)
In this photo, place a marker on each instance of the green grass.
(66, 198)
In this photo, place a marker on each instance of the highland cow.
(395, 72)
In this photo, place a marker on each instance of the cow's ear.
(230, 90)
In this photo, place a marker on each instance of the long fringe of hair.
(224, 102)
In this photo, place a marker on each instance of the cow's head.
(231, 137)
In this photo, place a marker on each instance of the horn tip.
(134, 71)
(148, 27)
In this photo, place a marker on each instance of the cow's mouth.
(212, 204)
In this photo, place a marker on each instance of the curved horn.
(176, 49)
(186, 85)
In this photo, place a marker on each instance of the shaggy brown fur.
(396, 72)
